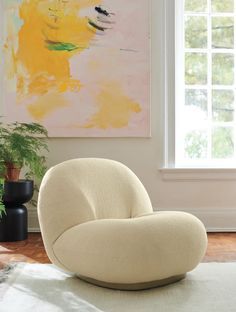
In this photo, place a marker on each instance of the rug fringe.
(6, 271)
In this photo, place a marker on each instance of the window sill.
(198, 174)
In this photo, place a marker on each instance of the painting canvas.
(79, 67)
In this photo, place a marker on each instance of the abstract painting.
(79, 67)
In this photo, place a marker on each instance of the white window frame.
(179, 76)
(169, 170)
(168, 70)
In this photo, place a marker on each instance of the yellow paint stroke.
(46, 105)
(114, 108)
(41, 85)
(48, 71)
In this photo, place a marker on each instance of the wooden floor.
(221, 248)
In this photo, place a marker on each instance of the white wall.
(213, 201)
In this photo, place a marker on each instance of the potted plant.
(21, 145)
(2, 206)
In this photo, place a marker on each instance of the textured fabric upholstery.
(97, 221)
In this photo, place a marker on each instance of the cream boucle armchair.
(97, 221)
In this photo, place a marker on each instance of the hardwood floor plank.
(221, 248)
(31, 250)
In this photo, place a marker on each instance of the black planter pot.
(18, 192)
(13, 225)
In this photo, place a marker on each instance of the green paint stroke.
(61, 46)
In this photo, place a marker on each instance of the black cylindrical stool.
(14, 225)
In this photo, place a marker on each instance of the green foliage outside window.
(222, 32)
(222, 6)
(222, 69)
(196, 68)
(195, 32)
(223, 105)
(197, 98)
(196, 144)
(222, 143)
(196, 5)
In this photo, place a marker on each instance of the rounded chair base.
(135, 286)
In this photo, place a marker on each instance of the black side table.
(14, 225)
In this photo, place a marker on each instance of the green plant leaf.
(23, 144)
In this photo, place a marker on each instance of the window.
(205, 133)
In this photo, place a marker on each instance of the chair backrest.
(81, 190)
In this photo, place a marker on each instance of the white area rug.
(44, 288)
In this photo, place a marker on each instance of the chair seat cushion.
(139, 250)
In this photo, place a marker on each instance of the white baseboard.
(217, 219)
(34, 230)
(33, 223)
(214, 219)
